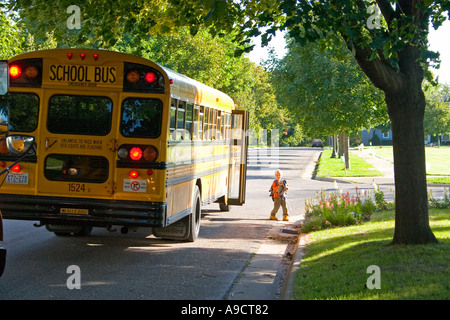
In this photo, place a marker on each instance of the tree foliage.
(327, 91)
(210, 60)
(437, 112)
(9, 37)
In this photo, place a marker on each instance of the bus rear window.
(141, 118)
(85, 115)
(23, 111)
(80, 168)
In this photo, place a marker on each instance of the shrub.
(337, 209)
(439, 204)
(342, 209)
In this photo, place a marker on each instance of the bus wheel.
(187, 228)
(195, 216)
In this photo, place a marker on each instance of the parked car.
(317, 143)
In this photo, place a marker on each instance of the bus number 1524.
(77, 187)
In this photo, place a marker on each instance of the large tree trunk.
(411, 204)
(406, 106)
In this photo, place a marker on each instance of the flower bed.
(338, 209)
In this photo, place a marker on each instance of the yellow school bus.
(120, 141)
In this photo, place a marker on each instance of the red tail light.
(16, 168)
(136, 154)
(134, 174)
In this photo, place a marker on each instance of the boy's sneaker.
(273, 218)
(285, 218)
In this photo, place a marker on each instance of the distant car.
(317, 143)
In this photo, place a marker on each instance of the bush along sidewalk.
(337, 209)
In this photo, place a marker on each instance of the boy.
(278, 192)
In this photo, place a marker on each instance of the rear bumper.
(96, 212)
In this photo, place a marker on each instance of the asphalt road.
(137, 265)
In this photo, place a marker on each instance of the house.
(376, 137)
(443, 139)
(385, 138)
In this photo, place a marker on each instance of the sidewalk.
(383, 166)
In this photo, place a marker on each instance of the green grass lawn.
(335, 262)
(438, 161)
(333, 167)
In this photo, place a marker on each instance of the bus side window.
(201, 122)
(214, 124)
(195, 135)
(189, 120)
(227, 125)
(173, 123)
(181, 120)
(219, 125)
(206, 125)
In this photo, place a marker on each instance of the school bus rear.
(100, 134)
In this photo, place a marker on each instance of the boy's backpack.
(272, 195)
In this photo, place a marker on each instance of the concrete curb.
(288, 286)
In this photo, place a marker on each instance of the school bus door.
(238, 162)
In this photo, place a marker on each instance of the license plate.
(17, 178)
(74, 211)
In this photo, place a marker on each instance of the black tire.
(195, 217)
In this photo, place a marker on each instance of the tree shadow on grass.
(337, 268)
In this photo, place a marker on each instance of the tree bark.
(411, 201)
(341, 141)
(347, 151)
(335, 152)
